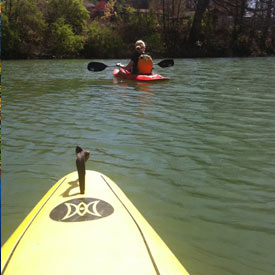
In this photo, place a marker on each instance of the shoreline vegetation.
(46, 29)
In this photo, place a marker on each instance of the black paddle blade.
(96, 66)
(166, 63)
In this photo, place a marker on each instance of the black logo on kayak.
(82, 209)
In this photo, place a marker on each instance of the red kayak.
(124, 74)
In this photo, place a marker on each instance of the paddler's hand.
(118, 64)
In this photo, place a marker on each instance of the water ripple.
(195, 154)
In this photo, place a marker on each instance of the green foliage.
(110, 11)
(133, 25)
(213, 42)
(10, 38)
(207, 25)
(23, 29)
(137, 25)
(103, 42)
(270, 44)
(242, 45)
(39, 28)
(72, 11)
(62, 42)
(155, 45)
(64, 28)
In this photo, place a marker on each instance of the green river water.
(196, 155)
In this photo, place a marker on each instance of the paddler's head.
(140, 46)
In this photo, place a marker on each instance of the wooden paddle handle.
(81, 157)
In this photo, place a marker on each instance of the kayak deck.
(99, 232)
(124, 74)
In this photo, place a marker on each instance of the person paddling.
(140, 63)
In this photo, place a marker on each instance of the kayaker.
(140, 62)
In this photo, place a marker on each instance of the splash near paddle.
(99, 232)
(124, 74)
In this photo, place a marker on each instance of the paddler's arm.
(126, 67)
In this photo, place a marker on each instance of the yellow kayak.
(99, 232)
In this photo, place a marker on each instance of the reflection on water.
(195, 154)
(141, 86)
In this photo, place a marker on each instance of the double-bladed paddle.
(97, 66)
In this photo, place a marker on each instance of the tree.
(173, 25)
(267, 22)
(23, 28)
(72, 11)
(10, 38)
(62, 42)
(103, 42)
(194, 34)
(67, 21)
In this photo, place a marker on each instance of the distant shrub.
(103, 42)
(136, 25)
(62, 41)
(10, 38)
(23, 28)
(72, 11)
